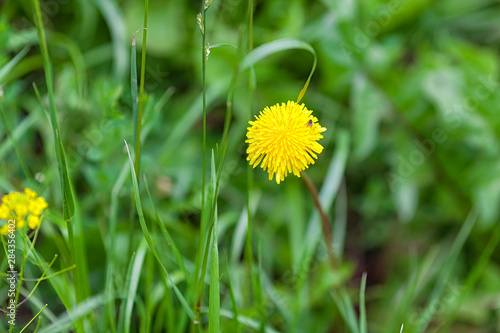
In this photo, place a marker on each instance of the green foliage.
(410, 174)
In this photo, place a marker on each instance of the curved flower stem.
(325, 222)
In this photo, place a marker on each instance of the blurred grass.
(407, 89)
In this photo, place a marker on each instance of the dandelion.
(285, 139)
(21, 207)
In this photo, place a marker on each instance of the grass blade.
(133, 277)
(214, 302)
(234, 307)
(214, 299)
(276, 46)
(362, 305)
(68, 202)
(64, 322)
(141, 93)
(445, 272)
(148, 238)
(116, 24)
(11, 64)
(168, 238)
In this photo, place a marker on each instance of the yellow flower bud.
(33, 221)
(20, 223)
(4, 211)
(30, 193)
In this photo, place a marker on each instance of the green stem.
(141, 92)
(225, 135)
(257, 289)
(76, 249)
(325, 222)
(204, 160)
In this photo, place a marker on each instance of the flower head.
(19, 206)
(285, 139)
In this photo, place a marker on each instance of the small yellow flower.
(284, 138)
(21, 206)
(20, 223)
(30, 194)
(33, 221)
(4, 211)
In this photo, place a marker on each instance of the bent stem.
(325, 222)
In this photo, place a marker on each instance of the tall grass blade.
(202, 18)
(362, 305)
(214, 297)
(169, 239)
(141, 92)
(68, 202)
(133, 277)
(214, 300)
(148, 237)
(76, 245)
(116, 24)
(12, 63)
(234, 307)
(64, 322)
(265, 50)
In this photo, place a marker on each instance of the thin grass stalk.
(227, 122)
(362, 305)
(233, 299)
(203, 228)
(263, 321)
(214, 298)
(169, 238)
(149, 239)
(68, 201)
(133, 86)
(36, 316)
(256, 286)
(139, 105)
(141, 92)
(202, 25)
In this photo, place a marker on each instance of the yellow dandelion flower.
(285, 139)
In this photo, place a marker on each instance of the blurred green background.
(408, 90)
